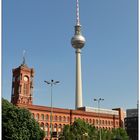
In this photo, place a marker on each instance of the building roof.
(86, 111)
(101, 110)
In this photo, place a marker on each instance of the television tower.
(78, 42)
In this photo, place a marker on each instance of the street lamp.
(99, 100)
(51, 83)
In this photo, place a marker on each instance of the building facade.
(22, 85)
(131, 123)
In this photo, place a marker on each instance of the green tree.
(119, 134)
(18, 124)
(81, 130)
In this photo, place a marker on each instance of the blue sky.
(44, 29)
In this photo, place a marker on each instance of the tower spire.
(23, 57)
(23, 62)
(77, 13)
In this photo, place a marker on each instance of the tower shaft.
(78, 90)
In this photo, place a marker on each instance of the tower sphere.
(78, 41)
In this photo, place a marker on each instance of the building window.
(93, 121)
(25, 88)
(64, 118)
(51, 125)
(42, 116)
(47, 127)
(47, 117)
(106, 122)
(103, 122)
(60, 118)
(96, 121)
(55, 127)
(37, 117)
(87, 120)
(59, 128)
(55, 118)
(42, 126)
(90, 121)
(68, 119)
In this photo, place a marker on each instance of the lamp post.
(51, 83)
(99, 100)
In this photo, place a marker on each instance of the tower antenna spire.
(23, 62)
(77, 13)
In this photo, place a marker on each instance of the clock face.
(25, 78)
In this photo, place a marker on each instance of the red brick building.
(22, 85)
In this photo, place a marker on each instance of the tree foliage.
(18, 124)
(81, 130)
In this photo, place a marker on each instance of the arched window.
(90, 121)
(37, 117)
(103, 122)
(47, 127)
(47, 117)
(93, 121)
(60, 118)
(96, 121)
(59, 127)
(55, 118)
(42, 126)
(87, 120)
(64, 118)
(42, 116)
(106, 122)
(55, 127)
(51, 125)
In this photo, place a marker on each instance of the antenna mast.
(77, 13)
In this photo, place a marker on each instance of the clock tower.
(22, 84)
